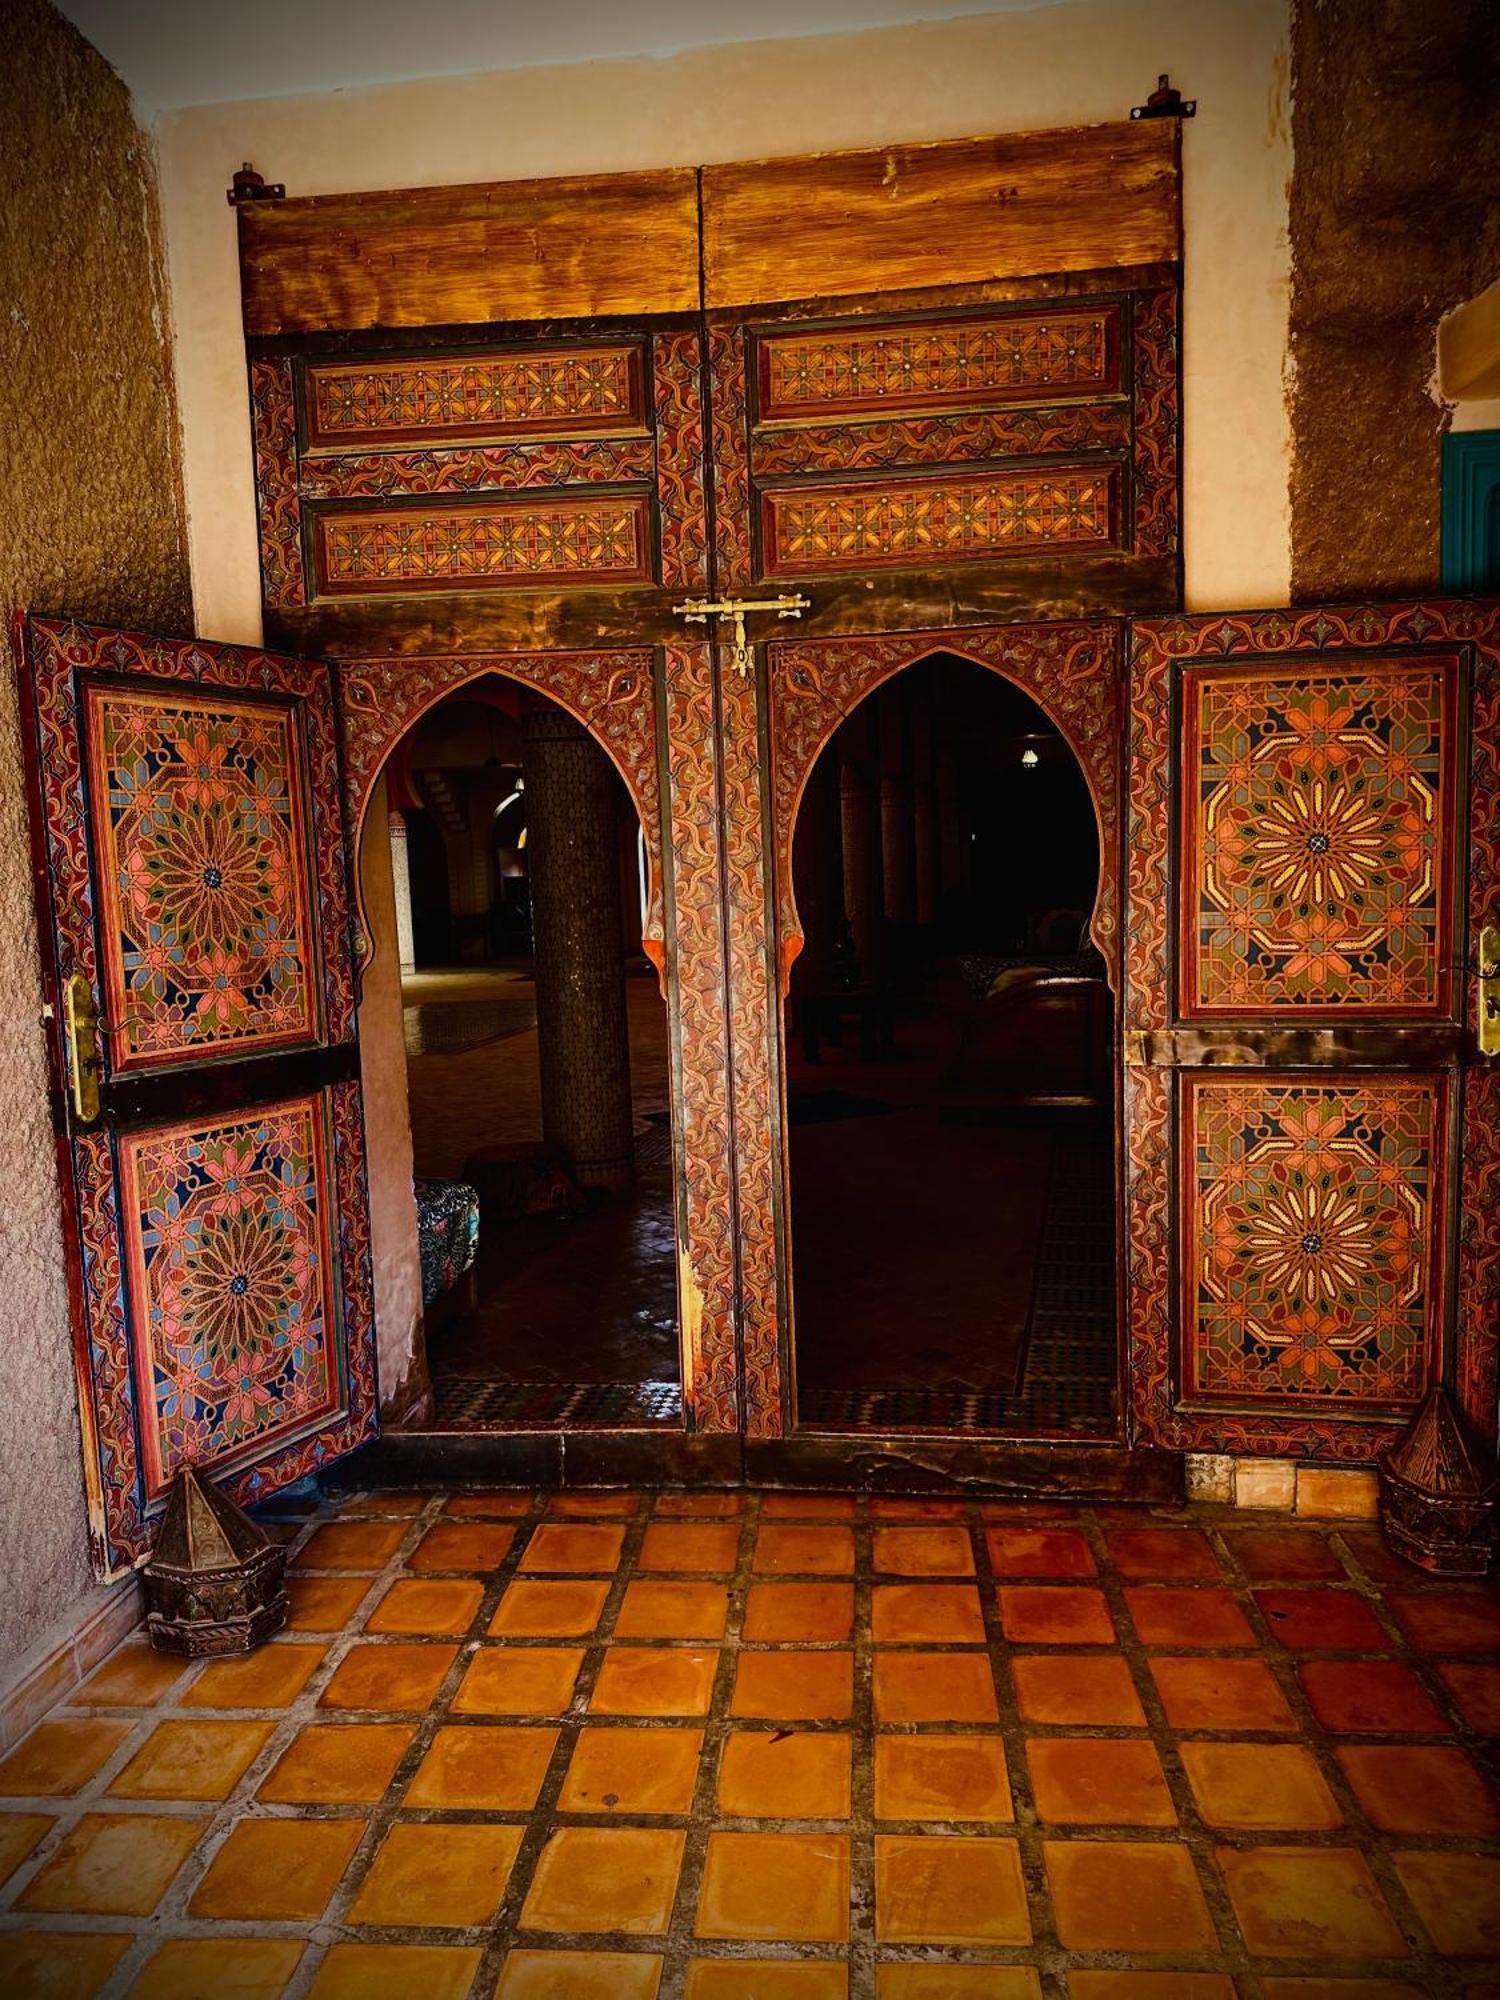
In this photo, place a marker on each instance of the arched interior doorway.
(950, 1069)
(534, 1064)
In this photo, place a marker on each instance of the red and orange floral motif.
(1311, 1238)
(199, 811)
(230, 1272)
(1316, 839)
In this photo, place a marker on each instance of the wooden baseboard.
(102, 1622)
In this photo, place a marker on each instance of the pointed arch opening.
(948, 908)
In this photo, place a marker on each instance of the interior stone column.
(572, 857)
(401, 881)
(925, 809)
(897, 832)
(859, 815)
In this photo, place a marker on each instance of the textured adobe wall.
(91, 522)
(1394, 221)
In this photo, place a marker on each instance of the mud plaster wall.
(1394, 221)
(91, 522)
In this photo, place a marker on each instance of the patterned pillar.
(573, 865)
(925, 809)
(859, 811)
(897, 832)
(401, 880)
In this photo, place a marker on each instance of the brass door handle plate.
(81, 1041)
(1489, 990)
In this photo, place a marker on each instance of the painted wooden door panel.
(192, 877)
(1313, 1138)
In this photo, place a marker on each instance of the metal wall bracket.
(248, 185)
(1165, 102)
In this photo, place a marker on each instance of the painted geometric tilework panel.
(1311, 1233)
(932, 365)
(955, 518)
(567, 390)
(502, 545)
(199, 822)
(1316, 839)
(229, 1232)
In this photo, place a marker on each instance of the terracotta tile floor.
(714, 1747)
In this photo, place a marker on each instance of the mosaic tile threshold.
(775, 1746)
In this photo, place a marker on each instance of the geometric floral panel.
(229, 1235)
(1310, 1233)
(1315, 843)
(199, 822)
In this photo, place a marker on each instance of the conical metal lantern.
(215, 1582)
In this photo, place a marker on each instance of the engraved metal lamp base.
(1437, 1503)
(215, 1582)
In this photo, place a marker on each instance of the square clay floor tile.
(1369, 1697)
(1098, 1781)
(1322, 1621)
(1221, 1694)
(1260, 1787)
(382, 1971)
(565, 1610)
(957, 1982)
(914, 1507)
(1285, 1555)
(1309, 1902)
(113, 1865)
(600, 1506)
(632, 1771)
(497, 1506)
(475, 1547)
(1127, 1896)
(483, 1767)
(19, 1835)
(655, 1680)
(673, 1611)
(785, 1774)
(807, 1507)
(391, 1678)
(1476, 1689)
(1055, 1615)
(58, 1758)
(277, 1870)
(699, 1506)
(710, 1548)
(437, 1876)
(1449, 1621)
(799, 1611)
(794, 1686)
(1159, 1986)
(941, 1778)
(792, 1886)
(271, 1677)
(324, 1603)
(804, 1551)
(440, 1606)
(1347, 1989)
(191, 1760)
(605, 1878)
(519, 1680)
(764, 1979)
(1161, 1555)
(52, 1965)
(246, 1967)
(1421, 1788)
(564, 1548)
(941, 1889)
(924, 1551)
(135, 1676)
(1040, 1552)
(375, 1506)
(338, 1764)
(934, 1687)
(579, 1975)
(1193, 1617)
(366, 1545)
(1457, 1896)
(1087, 1691)
(933, 1614)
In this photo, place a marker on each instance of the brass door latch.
(698, 611)
(81, 1041)
(1489, 990)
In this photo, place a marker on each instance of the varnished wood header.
(957, 212)
(574, 248)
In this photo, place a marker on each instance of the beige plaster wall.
(90, 522)
(1057, 65)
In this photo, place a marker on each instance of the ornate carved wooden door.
(1314, 1139)
(193, 906)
